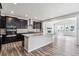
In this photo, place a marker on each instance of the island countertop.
(32, 34)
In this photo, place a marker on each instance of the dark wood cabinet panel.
(25, 23)
(16, 22)
(19, 23)
(8, 39)
(2, 22)
(0, 42)
(5, 22)
(22, 24)
(10, 21)
(37, 25)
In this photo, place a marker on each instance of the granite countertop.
(10, 35)
(32, 34)
(29, 33)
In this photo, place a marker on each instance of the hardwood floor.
(64, 46)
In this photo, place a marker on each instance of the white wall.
(77, 35)
(44, 28)
(67, 21)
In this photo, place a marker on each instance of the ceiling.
(38, 11)
(23, 10)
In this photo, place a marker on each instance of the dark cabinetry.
(0, 41)
(6, 39)
(23, 24)
(2, 22)
(11, 21)
(11, 24)
(19, 23)
(37, 25)
(11, 30)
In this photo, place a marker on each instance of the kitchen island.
(34, 41)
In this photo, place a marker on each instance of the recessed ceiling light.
(14, 3)
(10, 19)
(26, 15)
(36, 18)
(12, 12)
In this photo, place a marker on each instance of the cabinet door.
(9, 39)
(37, 25)
(10, 21)
(0, 42)
(2, 22)
(17, 23)
(25, 23)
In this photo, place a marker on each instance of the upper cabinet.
(37, 25)
(19, 23)
(2, 22)
(10, 21)
(23, 24)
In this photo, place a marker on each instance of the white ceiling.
(71, 20)
(22, 9)
(39, 11)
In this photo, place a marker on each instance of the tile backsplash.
(2, 31)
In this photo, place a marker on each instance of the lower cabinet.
(0, 42)
(20, 38)
(8, 39)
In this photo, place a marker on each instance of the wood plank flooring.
(60, 47)
(16, 49)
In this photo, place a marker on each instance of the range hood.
(30, 25)
(30, 22)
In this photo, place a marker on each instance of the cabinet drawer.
(9, 39)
